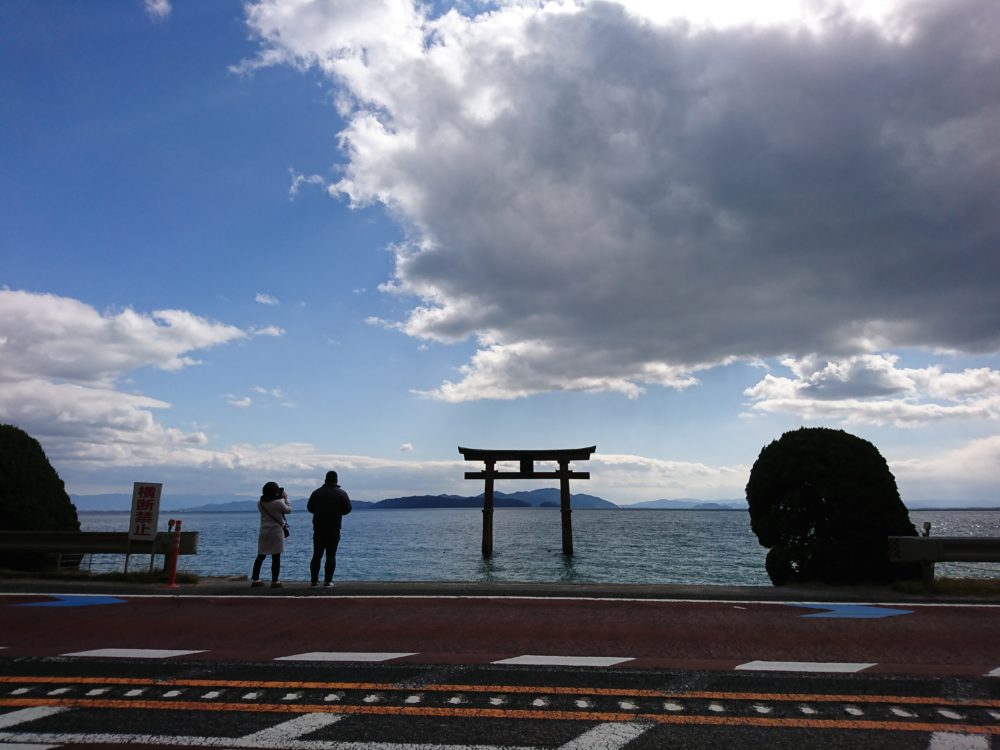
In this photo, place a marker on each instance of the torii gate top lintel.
(526, 460)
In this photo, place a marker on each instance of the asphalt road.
(352, 671)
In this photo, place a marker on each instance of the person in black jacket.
(328, 504)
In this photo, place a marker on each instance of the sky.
(243, 242)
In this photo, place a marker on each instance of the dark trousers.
(325, 543)
(275, 567)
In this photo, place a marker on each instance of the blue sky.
(243, 242)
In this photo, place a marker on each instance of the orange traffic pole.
(174, 526)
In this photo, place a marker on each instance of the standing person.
(328, 504)
(273, 507)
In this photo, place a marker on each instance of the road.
(430, 671)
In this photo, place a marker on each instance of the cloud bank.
(608, 197)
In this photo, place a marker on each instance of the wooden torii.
(526, 460)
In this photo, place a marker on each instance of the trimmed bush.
(32, 496)
(823, 501)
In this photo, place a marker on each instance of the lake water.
(627, 546)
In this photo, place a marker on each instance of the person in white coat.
(273, 507)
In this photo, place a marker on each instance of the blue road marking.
(853, 611)
(69, 600)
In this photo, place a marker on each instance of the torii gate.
(526, 460)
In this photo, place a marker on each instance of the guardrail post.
(175, 527)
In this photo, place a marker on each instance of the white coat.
(271, 540)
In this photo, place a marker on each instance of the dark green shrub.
(824, 502)
(32, 496)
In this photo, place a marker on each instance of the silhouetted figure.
(273, 507)
(328, 504)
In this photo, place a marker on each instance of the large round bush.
(824, 502)
(32, 496)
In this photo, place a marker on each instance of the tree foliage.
(824, 502)
(32, 496)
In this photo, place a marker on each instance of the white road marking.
(280, 734)
(134, 653)
(804, 666)
(456, 700)
(995, 714)
(948, 714)
(584, 703)
(807, 710)
(566, 661)
(498, 700)
(628, 706)
(251, 696)
(716, 707)
(20, 691)
(172, 693)
(854, 711)
(949, 741)
(97, 691)
(903, 712)
(373, 698)
(762, 709)
(333, 697)
(292, 696)
(135, 692)
(540, 702)
(58, 691)
(993, 673)
(344, 656)
(212, 694)
(611, 736)
(671, 706)
(23, 715)
(413, 699)
(10, 739)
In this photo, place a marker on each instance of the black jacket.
(328, 504)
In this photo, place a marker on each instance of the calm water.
(647, 546)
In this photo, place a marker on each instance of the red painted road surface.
(960, 639)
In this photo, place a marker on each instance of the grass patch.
(952, 587)
(157, 576)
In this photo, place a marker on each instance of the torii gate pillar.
(526, 460)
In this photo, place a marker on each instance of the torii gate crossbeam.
(526, 460)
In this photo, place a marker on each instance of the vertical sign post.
(145, 516)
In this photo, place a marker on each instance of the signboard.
(145, 510)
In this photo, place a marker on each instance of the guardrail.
(78, 543)
(928, 550)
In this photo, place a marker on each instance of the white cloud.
(266, 299)
(61, 367)
(606, 199)
(406, 448)
(240, 402)
(872, 389)
(298, 180)
(158, 10)
(273, 331)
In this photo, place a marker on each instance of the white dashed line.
(279, 735)
(583, 703)
(611, 736)
(903, 712)
(993, 673)
(671, 706)
(628, 706)
(20, 691)
(762, 709)
(133, 653)
(456, 700)
(542, 660)
(251, 696)
(716, 707)
(804, 666)
(854, 711)
(292, 696)
(135, 692)
(172, 693)
(23, 715)
(373, 698)
(498, 700)
(211, 695)
(332, 697)
(411, 699)
(540, 702)
(97, 691)
(58, 691)
(807, 710)
(949, 741)
(367, 656)
(946, 713)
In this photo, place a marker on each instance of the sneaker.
(256, 584)
(327, 583)
(276, 585)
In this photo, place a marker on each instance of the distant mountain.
(447, 501)
(688, 503)
(549, 498)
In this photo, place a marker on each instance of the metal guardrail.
(928, 550)
(80, 543)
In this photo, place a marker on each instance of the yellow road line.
(510, 689)
(492, 713)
